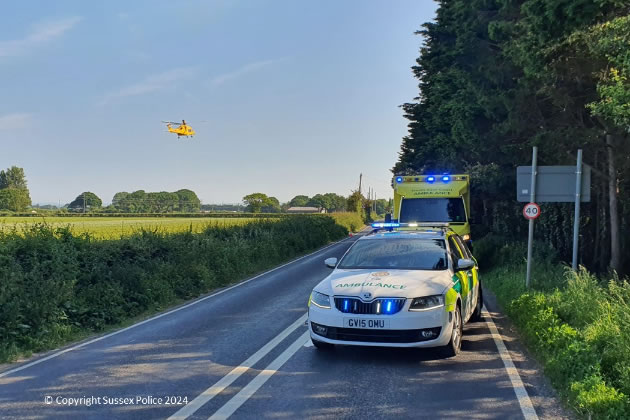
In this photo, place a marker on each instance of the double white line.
(239, 399)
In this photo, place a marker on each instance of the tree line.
(14, 196)
(497, 77)
(330, 202)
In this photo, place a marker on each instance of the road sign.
(531, 211)
(554, 184)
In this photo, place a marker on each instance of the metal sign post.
(532, 199)
(578, 198)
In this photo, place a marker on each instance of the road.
(243, 352)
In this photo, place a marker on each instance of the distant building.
(306, 210)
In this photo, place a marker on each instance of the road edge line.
(153, 318)
(250, 389)
(527, 408)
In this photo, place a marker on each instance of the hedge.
(55, 286)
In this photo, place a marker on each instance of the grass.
(577, 324)
(351, 221)
(117, 227)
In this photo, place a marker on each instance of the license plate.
(373, 324)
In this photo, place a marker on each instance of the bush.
(577, 325)
(54, 285)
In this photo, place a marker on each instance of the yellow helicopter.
(181, 129)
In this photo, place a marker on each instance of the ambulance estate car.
(398, 289)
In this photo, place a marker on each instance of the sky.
(287, 97)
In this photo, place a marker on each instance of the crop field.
(116, 227)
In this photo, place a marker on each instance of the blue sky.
(299, 97)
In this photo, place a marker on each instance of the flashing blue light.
(385, 225)
(446, 178)
(430, 179)
(346, 304)
(399, 179)
(388, 308)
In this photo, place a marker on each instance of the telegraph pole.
(360, 179)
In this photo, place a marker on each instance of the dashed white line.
(239, 399)
(227, 380)
(517, 384)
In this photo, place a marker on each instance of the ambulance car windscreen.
(396, 253)
(432, 210)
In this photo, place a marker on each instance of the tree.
(119, 200)
(336, 202)
(92, 201)
(381, 206)
(272, 205)
(255, 202)
(355, 203)
(299, 201)
(14, 189)
(320, 201)
(13, 177)
(499, 76)
(14, 199)
(188, 201)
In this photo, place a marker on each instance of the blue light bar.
(446, 178)
(430, 179)
(388, 309)
(399, 179)
(385, 225)
(346, 303)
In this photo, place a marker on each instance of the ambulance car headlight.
(426, 302)
(320, 300)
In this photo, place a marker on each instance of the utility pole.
(360, 179)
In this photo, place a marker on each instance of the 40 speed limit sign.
(531, 211)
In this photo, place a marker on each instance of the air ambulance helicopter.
(181, 129)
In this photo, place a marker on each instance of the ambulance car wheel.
(476, 316)
(454, 345)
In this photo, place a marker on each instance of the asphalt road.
(244, 353)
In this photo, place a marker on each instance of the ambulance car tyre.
(320, 345)
(476, 316)
(454, 345)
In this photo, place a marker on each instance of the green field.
(116, 227)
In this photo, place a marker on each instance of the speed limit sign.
(531, 211)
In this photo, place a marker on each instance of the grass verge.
(576, 324)
(351, 221)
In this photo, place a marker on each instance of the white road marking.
(239, 399)
(190, 408)
(519, 389)
(78, 346)
(309, 343)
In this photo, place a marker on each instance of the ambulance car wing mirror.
(330, 262)
(464, 264)
(388, 218)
